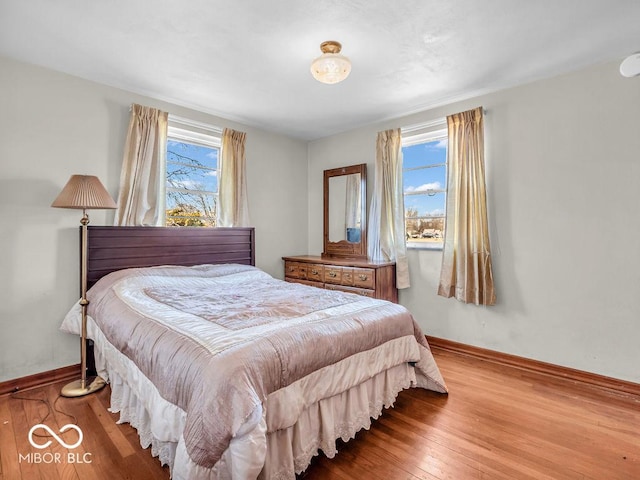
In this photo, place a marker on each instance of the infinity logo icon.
(53, 434)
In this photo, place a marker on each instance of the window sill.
(425, 246)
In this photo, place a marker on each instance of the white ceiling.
(248, 61)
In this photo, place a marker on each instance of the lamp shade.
(84, 192)
(331, 66)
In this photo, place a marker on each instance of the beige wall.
(563, 166)
(54, 125)
(563, 175)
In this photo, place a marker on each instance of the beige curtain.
(141, 200)
(234, 210)
(386, 234)
(352, 207)
(466, 260)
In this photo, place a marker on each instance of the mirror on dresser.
(344, 264)
(345, 217)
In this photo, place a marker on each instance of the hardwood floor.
(498, 422)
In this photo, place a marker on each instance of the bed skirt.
(274, 446)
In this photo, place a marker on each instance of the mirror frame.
(344, 249)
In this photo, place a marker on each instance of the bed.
(229, 373)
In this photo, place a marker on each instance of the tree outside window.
(192, 184)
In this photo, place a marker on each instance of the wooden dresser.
(377, 280)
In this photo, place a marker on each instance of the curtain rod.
(432, 123)
(187, 122)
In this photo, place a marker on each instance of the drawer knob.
(332, 274)
(314, 272)
(363, 277)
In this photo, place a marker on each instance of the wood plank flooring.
(498, 422)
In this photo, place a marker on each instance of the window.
(424, 178)
(193, 150)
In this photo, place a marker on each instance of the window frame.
(417, 135)
(184, 130)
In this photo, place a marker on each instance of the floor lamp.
(83, 192)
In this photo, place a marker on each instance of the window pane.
(192, 167)
(425, 230)
(425, 180)
(206, 157)
(424, 154)
(191, 209)
(424, 205)
(190, 177)
(192, 184)
(425, 217)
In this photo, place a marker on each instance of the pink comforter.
(217, 339)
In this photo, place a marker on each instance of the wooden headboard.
(115, 248)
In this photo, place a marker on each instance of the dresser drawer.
(305, 282)
(364, 278)
(292, 269)
(343, 288)
(332, 274)
(347, 276)
(315, 272)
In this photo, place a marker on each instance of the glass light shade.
(331, 66)
(630, 66)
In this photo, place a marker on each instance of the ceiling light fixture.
(630, 66)
(330, 67)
